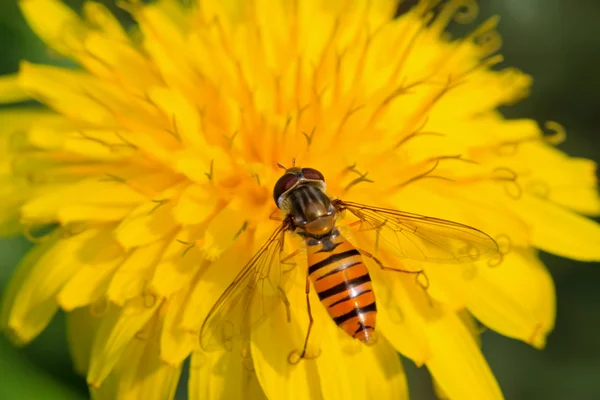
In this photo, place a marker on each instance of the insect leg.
(420, 273)
(422, 284)
(286, 303)
(289, 256)
(294, 357)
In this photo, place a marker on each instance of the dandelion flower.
(146, 183)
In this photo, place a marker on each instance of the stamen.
(461, 11)
(308, 137)
(209, 174)
(175, 131)
(67, 231)
(327, 48)
(143, 190)
(347, 117)
(242, 229)
(29, 227)
(427, 173)
(488, 42)
(111, 146)
(99, 307)
(511, 187)
(504, 246)
(188, 248)
(412, 40)
(149, 299)
(427, 105)
(361, 178)
(126, 142)
(159, 203)
(415, 134)
(539, 189)
(556, 136)
(230, 139)
(338, 69)
(287, 125)
(257, 178)
(486, 63)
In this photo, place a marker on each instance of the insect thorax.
(311, 211)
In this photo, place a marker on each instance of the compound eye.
(313, 174)
(285, 183)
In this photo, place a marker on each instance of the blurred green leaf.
(20, 379)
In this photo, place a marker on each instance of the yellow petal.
(63, 32)
(202, 166)
(100, 17)
(35, 303)
(275, 339)
(72, 202)
(177, 265)
(195, 204)
(80, 212)
(176, 341)
(472, 325)
(13, 123)
(13, 193)
(141, 373)
(516, 298)
(10, 90)
(227, 10)
(96, 265)
(186, 117)
(180, 261)
(89, 99)
(187, 310)
(124, 63)
(399, 318)
(223, 375)
(118, 328)
(164, 41)
(148, 222)
(212, 282)
(567, 181)
(107, 391)
(59, 89)
(20, 276)
(383, 378)
(560, 231)
(457, 363)
(131, 279)
(82, 325)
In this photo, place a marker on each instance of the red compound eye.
(284, 184)
(313, 174)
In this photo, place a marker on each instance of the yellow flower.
(147, 182)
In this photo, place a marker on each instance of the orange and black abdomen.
(344, 286)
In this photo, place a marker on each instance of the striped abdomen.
(344, 286)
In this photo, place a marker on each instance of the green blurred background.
(556, 41)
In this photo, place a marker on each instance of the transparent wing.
(252, 295)
(419, 237)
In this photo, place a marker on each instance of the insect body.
(343, 284)
(335, 266)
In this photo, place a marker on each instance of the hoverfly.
(335, 266)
